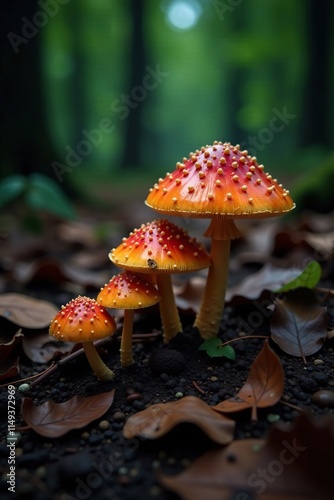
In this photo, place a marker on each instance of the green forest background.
(105, 92)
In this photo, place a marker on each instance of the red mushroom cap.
(160, 247)
(220, 181)
(82, 320)
(128, 290)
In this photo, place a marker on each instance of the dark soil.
(98, 462)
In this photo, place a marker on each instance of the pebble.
(214, 379)
(118, 416)
(104, 425)
(318, 362)
(323, 398)
(95, 439)
(78, 465)
(24, 388)
(307, 384)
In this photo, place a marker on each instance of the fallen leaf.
(322, 243)
(41, 348)
(56, 419)
(188, 295)
(295, 462)
(309, 278)
(158, 419)
(269, 278)
(298, 324)
(25, 311)
(263, 387)
(54, 271)
(9, 357)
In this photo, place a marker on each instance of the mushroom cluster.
(217, 182)
(221, 183)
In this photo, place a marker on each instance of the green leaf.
(44, 194)
(10, 188)
(215, 349)
(309, 278)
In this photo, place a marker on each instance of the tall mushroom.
(221, 183)
(161, 248)
(128, 291)
(84, 320)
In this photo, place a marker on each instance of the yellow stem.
(99, 368)
(209, 316)
(171, 323)
(126, 341)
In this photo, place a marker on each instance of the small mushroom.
(220, 183)
(161, 248)
(84, 320)
(128, 291)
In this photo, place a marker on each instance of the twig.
(198, 387)
(294, 407)
(67, 359)
(245, 337)
(28, 378)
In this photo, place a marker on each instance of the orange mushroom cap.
(160, 247)
(82, 320)
(128, 290)
(219, 181)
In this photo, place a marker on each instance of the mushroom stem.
(99, 368)
(209, 316)
(126, 341)
(168, 311)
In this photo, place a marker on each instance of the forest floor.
(97, 460)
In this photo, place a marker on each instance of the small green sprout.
(215, 349)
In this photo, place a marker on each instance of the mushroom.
(161, 248)
(84, 320)
(128, 291)
(222, 183)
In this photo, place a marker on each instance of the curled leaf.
(25, 311)
(41, 348)
(158, 419)
(263, 387)
(9, 358)
(56, 419)
(269, 278)
(293, 463)
(298, 324)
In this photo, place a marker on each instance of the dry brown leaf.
(298, 324)
(269, 278)
(53, 271)
(188, 295)
(25, 311)
(296, 462)
(56, 419)
(263, 387)
(9, 357)
(158, 419)
(41, 348)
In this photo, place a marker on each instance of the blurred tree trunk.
(131, 157)
(317, 94)
(25, 141)
(77, 80)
